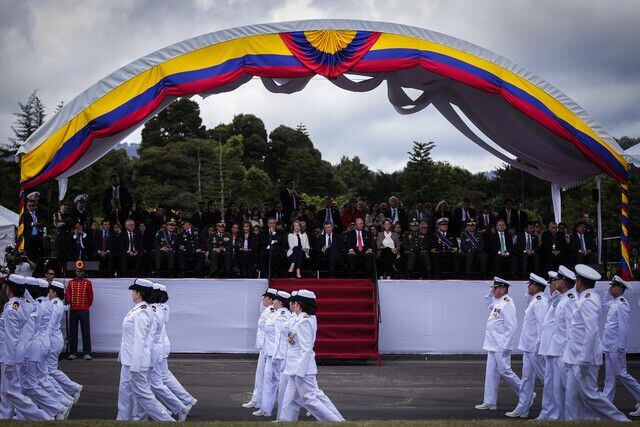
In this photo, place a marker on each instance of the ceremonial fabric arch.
(543, 131)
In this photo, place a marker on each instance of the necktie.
(130, 242)
(582, 245)
(486, 220)
(329, 244)
(393, 215)
(508, 217)
(464, 215)
(528, 242)
(299, 241)
(104, 241)
(503, 246)
(360, 244)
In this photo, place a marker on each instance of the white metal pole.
(599, 215)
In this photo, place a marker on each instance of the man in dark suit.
(359, 246)
(486, 220)
(272, 246)
(527, 248)
(103, 249)
(130, 248)
(523, 218)
(502, 249)
(214, 215)
(278, 214)
(33, 232)
(508, 213)
(328, 249)
(290, 200)
(553, 248)
(419, 213)
(582, 246)
(461, 215)
(81, 243)
(116, 191)
(199, 217)
(331, 214)
(397, 213)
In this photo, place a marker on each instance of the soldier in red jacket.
(79, 294)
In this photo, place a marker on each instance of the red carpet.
(347, 319)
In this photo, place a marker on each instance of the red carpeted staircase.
(347, 316)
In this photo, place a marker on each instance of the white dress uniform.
(135, 355)
(282, 386)
(584, 355)
(498, 342)
(548, 397)
(532, 363)
(614, 345)
(302, 387)
(256, 396)
(12, 353)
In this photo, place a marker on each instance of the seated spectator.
(158, 219)
(461, 215)
(130, 248)
(502, 248)
(234, 242)
(243, 213)
(415, 245)
(328, 247)
(165, 246)
(103, 249)
(117, 215)
(537, 230)
(374, 216)
(233, 216)
(442, 211)
(384, 213)
(220, 252)
(528, 251)
(486, 220)
(140, 214)
(419, 213)
(562, 227)
(472, 245)
(582, 245)
(199, 219)
(397, 214)
(552, 248)
(397, 228)
(330, 213)
(271, 248)
(247, 248)
(302, 213)
(255, 218)
(190, 248)
(214, 215)
(359, 245)
(147, 246)
(444, 248)
(584, 217)
(278, 214)
(388, 248)
(350, 213)
(298, 248)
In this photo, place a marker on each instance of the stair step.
(308, 283)
(332, 291)
(347, 331)
(364, 355)
(346, 345)
(346, 305)
(331, 317)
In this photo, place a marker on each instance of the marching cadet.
(472, 246)
(583, 354)
(444, 247)
(548, 399)
(614, 344)
(498, 342)
(220, 251)
(532, 363)
(165, 246)
(302, 387)
(415, 245)
(273, 347)
(282, 386)
(267, 312)
(13, 352)
(189, 247)
(134, 355)
(56, 295)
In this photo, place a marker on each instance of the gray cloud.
(586, 49)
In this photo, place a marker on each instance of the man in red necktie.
(360, 248)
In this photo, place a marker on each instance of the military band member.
(444, 247)
(583, 354)
(190, 247)
(614, 343)
(532, 363)
(472, 247)
(165, 245)
(498, 342)
(220, 251)
(79, 295)
(415, 245)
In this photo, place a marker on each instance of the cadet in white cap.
(548, 399)
(583, 354)
(135, 357)
(12, 353)
(498, 342)
(268, 310)
(275, 349)
(282, 386)
(71, 388)
(533, 364)
(614, 343)
(302, 387)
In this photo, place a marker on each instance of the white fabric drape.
(556, 199)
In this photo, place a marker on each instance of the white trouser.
(136, 399)
(12, 401)
(616, 369)
(49, 386)
(256, 397)
(532, 367)
(583, 400)
(69, 387)
(560, 376)
(162, 392)
(304, 391)
(31, 388)
(270, 383)
(173, 384)
(498, 365)
(549, 405)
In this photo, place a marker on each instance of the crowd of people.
(290, 237)
(562, 344)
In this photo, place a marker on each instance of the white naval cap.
(564, 272)
(305, 294)
(33, 195)
(155, 286)
(80, 197)
(57, 285)
(141, 283)
(31, 281)
(617, 280)
(271, 293)
(294, 293)
(587, 272)
(534, 278)
(282, 295)
(43, 283)
(497, 281)
(159, 286)
(553, 275)
(17, 279)
(441, 220)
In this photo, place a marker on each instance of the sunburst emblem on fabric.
(329, 53)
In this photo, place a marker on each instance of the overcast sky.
(588, 49)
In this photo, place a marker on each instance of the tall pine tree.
(30, 116)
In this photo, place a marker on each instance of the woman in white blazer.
(134, 394)
(302, 387)
(298, 248)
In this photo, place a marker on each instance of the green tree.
(356, 177)
(257, 186)
(29, 117)
(178, 122)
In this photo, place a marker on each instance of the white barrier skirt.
(418, 316)
(449, 316)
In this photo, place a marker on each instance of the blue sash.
(471, 237)
(444, 240)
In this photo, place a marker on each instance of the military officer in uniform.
(220, 251)
(498, 342)
(583, 354)
(614, 343)
(165, 246)
(80, 212)
(532, 363)
(415, 245)
(190, 247)
(472, 247)
(444, 247)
